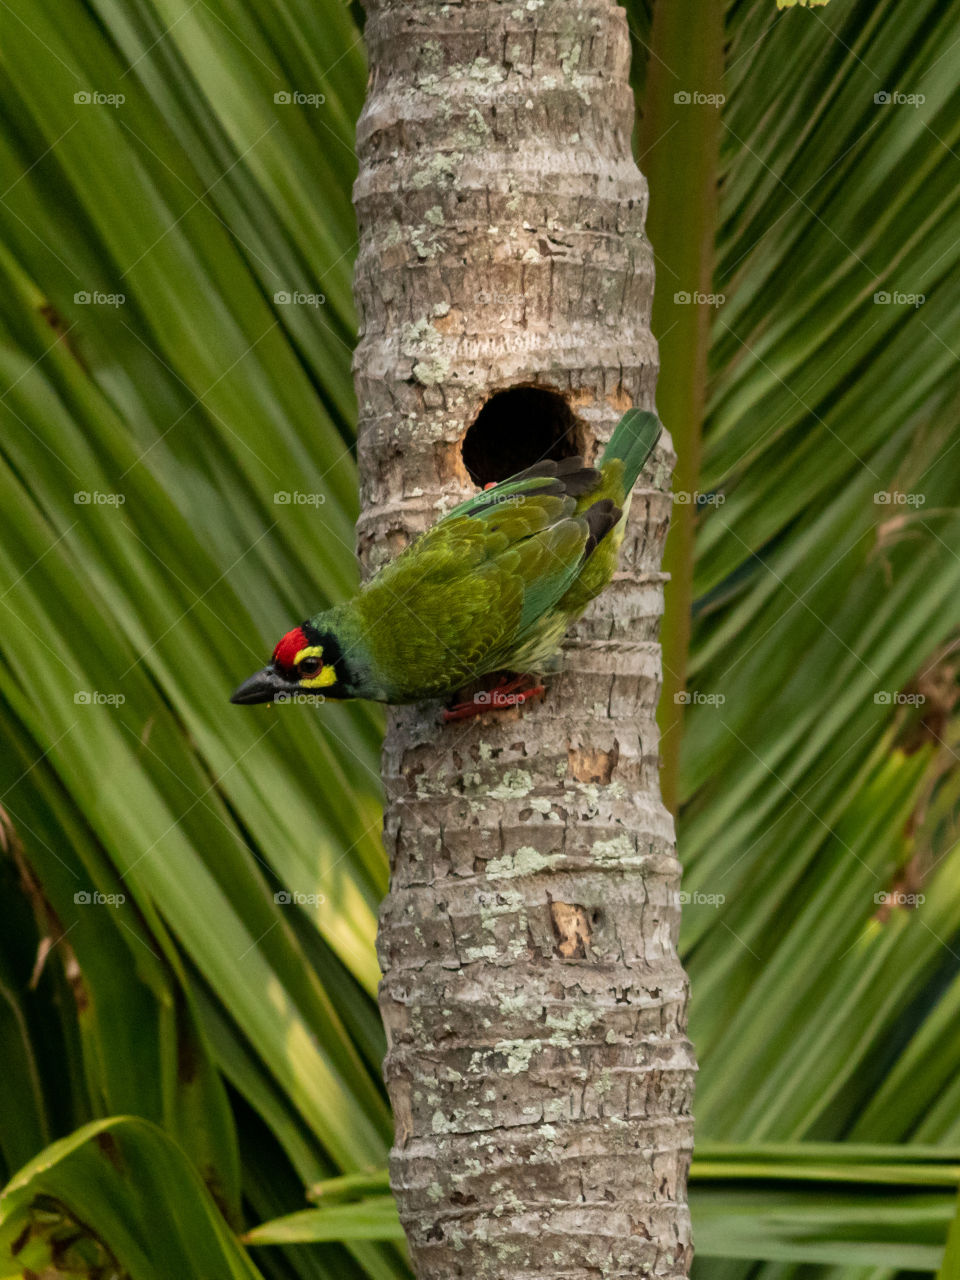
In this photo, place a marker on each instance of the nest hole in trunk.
(516, 428)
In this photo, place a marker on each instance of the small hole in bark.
(517, 428)
(593, 765)
(571, 930)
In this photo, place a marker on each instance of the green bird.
(492, 587)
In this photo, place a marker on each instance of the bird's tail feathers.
(633, 441)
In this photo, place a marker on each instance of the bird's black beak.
(263, 686)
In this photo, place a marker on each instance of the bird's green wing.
(466, 594)
(528, 526)
(567, 478)
(536, 540)
(546, 565)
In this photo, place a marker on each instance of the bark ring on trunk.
(535, 1006)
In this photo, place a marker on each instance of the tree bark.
(534, 1003)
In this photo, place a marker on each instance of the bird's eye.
(310, 666)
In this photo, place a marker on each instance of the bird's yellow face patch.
(311, 670)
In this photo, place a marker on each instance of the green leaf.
(950, 1267)
(123, 1187)
(373, 1218)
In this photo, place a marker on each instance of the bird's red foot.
(508, 693)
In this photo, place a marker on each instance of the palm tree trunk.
(534, 1003)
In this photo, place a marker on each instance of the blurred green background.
(191, 893)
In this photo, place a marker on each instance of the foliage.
(238, 1045)
(818, 780)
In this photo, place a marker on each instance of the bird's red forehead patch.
(288, 648)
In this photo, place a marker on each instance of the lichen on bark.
(534, 1003)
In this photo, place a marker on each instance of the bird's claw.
(509, 693)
